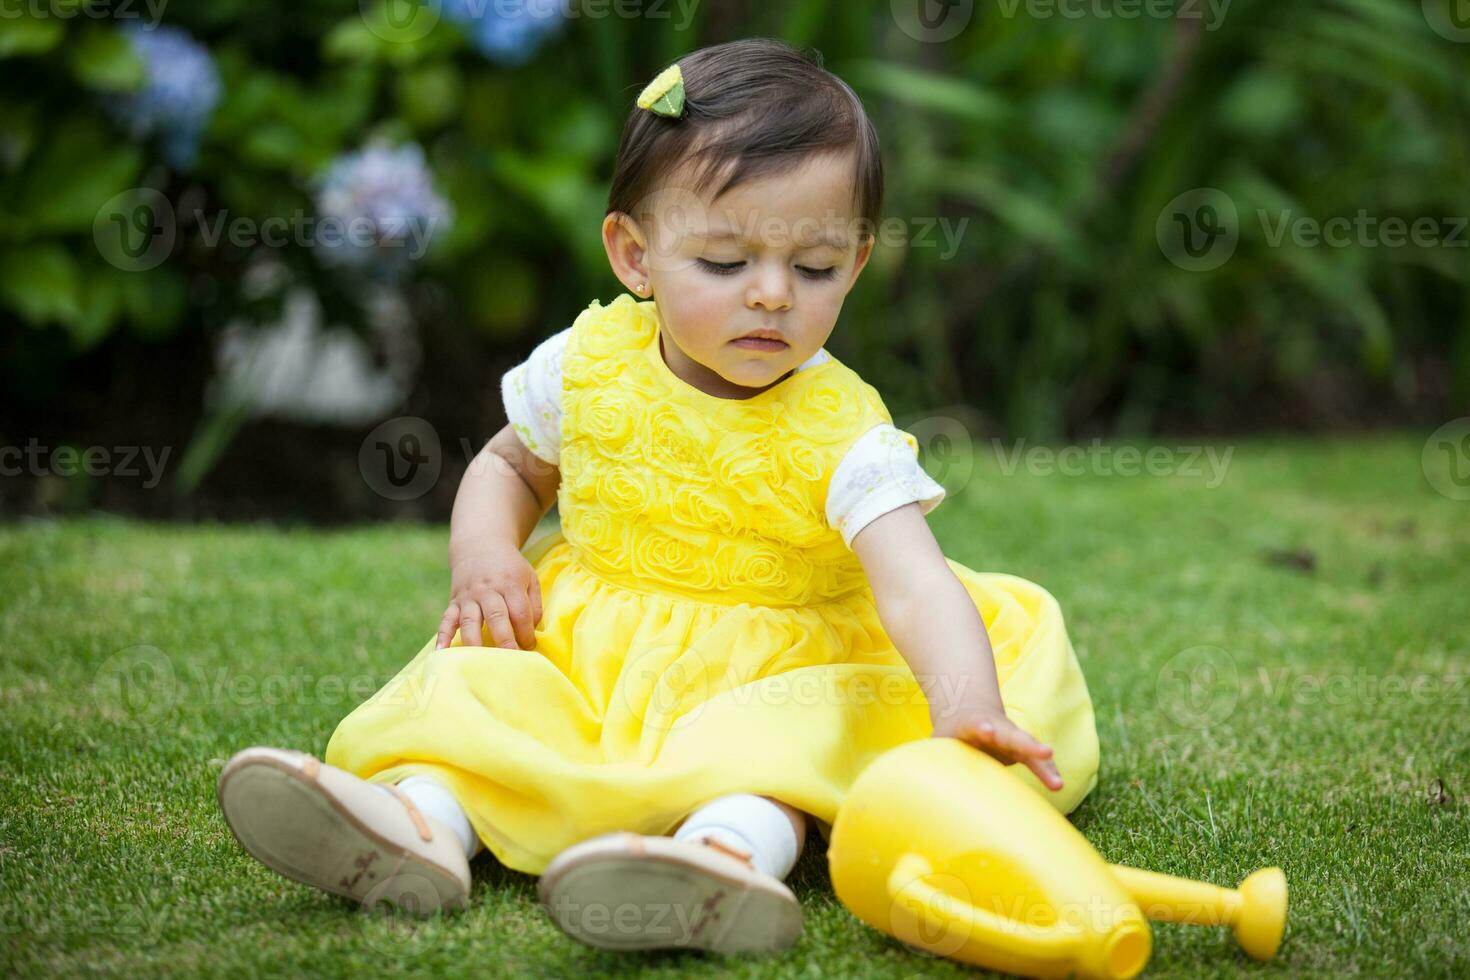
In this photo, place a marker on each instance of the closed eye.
(730, 268)
(720, 268)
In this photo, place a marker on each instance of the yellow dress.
(704, 630)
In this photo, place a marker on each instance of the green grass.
(114, 858)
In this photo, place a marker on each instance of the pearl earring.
(641, 287)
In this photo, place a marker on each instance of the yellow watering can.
(937, 845)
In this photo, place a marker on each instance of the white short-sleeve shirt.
(879, 473)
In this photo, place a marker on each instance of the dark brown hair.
(756, 107)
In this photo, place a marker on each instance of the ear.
(627, 250)
(864, 252)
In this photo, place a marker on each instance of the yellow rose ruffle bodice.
(665, 487)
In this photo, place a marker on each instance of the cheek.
(701, 307)
(825, 301)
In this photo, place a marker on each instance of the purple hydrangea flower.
(178, 98)
(507, 31)
(378, 209)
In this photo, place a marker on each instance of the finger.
(1037, 748)
(1021, 744)
(536, 597)
(519, 608)
(469, 625)
(1046, 771)
(446, 626)
(497, 619)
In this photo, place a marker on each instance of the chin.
(754, 379)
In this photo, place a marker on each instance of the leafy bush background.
(1061, 140)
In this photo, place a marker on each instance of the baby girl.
(743, 604)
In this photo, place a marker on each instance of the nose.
(769, 288)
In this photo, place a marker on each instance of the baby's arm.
(504, 494)
(933, 622)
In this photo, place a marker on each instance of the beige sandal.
(325, 827)
(630, 891)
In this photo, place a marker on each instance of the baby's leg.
(430, 796)
(769, 831)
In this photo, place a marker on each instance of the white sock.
(748, 823)
(433, 800)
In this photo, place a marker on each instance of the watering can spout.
(1256, 911)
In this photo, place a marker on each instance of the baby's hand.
(498, 588)
(989, 730)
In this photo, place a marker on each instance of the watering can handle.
(906, 882)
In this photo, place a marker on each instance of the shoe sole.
(624, 891)
(296, 827)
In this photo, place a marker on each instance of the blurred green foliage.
(1053, 143)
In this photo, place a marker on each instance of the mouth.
(768, 340)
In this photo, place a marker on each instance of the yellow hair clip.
(665, 94)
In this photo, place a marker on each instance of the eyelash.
(729, 269)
